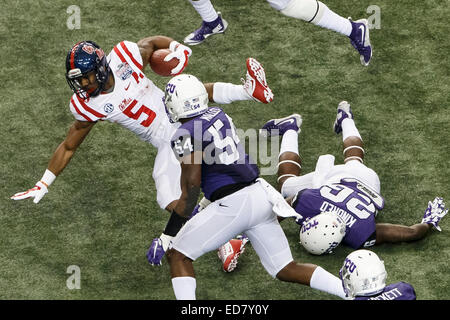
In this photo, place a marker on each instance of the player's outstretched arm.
(150, 44)
(59, 160)
(393, 233)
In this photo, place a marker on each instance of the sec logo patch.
(108, 108)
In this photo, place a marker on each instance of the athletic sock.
(205, 9)
(184, 288)
(225, 93)
(349, 129)
(324, 281)
(289, 142)
(335, 22)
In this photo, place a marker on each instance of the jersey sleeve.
(82, 112)
(128, 51)
(183, 143)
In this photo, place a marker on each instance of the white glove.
(182, 53)
(37, 192)
(435, 212)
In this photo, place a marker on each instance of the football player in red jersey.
(114, 87)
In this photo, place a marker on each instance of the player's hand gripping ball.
(161, 67)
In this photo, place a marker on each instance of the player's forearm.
(187, 201)
(392, 233)
(148, 45)
(156, 42)
(61, 157)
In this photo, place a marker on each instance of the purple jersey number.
(227, 143)
(353, 206)
(354, 202)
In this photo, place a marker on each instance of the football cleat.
(207, 29)
(276, 127)
(359, 38)
(435, 212)
(230, 252)
(255, 84)
(343, 111)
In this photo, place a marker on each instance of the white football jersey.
(135, 103)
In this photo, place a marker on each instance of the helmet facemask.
(80, 63)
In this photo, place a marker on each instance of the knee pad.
(307, 10)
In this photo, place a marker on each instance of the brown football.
(160, 66)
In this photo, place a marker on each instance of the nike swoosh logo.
(222, 205)
(363, 34)
(217, 29)
(128, 86)
(286, 121)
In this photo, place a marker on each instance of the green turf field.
(101, 213)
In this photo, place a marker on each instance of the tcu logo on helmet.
(308, 225)
(349, 265)
(170, 88)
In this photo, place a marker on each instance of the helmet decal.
(82, 58)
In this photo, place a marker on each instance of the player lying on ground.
(115, 88)
(337, 202)
(312, 11)
(364, 275)
(214, 161)
(350, 190)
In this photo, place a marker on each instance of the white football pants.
(245, 211)
(330, 173)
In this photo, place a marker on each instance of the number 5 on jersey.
(135, 115)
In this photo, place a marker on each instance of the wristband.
(48, 178)
(174, 224)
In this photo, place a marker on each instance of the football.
(161, 67)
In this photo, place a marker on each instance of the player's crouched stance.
(364, 275)
(213, 160)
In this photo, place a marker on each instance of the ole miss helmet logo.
(91, 49)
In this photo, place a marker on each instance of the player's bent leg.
(271, 245)
(345, 124)
(180, 265)
(166, 174)
(297, 272)
(353, 149)
(318, 13)
(306, 10)
(292, 185)
(312, 275)
(182, 272)
(289, 165)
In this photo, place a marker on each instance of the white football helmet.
(363, 274)
(185, 97)
(322, 233)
